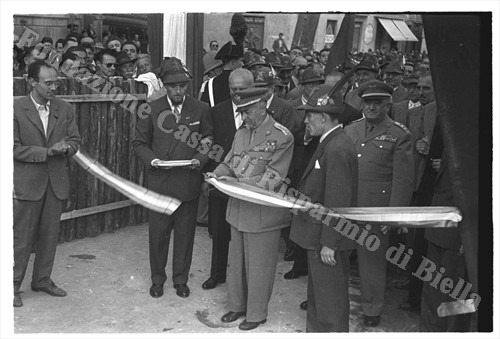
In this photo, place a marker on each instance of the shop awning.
(398, 30)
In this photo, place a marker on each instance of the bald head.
(239, 80)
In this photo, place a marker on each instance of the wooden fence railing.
(107, 128)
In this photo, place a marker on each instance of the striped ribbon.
(415, 217)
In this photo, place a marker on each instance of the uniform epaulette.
(403, 127)
(282, 128)
(352, 122)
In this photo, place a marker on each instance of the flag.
(342, 44)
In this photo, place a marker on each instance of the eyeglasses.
(110, 65)
(51, 83)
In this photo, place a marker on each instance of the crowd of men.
(375, 142)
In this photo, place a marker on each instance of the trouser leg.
(372, 269)
(46, 239)
(184, 225)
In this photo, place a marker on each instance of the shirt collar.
(179, 106)
(38, 106)
(269, 101)
(328, 132)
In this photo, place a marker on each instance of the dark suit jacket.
(224, 130)
(159, 136)
(284, 112)
(333, 184)
(33, 169)
(220, 87)
(277, 48)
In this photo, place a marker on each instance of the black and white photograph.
(261, 168)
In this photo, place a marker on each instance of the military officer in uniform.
(261, 149)
(385, 178)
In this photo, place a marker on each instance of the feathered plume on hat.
(238, 29)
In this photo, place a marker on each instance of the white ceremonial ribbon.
(415, 217)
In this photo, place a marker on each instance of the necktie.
(252, 134)
(369, 129)
(177, 114)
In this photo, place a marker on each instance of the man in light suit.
(385, 178)
(330, 179)
(167, 133)
(399, 111)
(45, 134)
(261, 150)
(225, 121)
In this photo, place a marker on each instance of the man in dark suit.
(385, 178)
(45, 134)
(279, 45)
(305, 145)
(225, 123)
(166, 133)
(263, 148)
(330, 179)
(217, 89)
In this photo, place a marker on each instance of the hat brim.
(214, 66)
(312, 80)
(247, 105)
(124, 63)
(328, 109)
(172, 79)
(376, 95)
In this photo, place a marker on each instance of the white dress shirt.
(43, 112)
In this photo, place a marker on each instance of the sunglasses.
(110, 65)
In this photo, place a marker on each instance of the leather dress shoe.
(18, 302)
(303, 305)
(156, 290)
(248, 325)
(211, 283)
(182, 290)
(229, 317)
(408, 306)
(294, 274)
(53, 290)
(371, 321)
